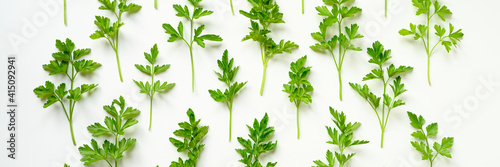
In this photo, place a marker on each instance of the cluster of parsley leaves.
(260, 134)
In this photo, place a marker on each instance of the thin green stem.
(72, 134)
(428, 49)
(298, 127)
(156, 4)
(382, 138)
(65, 23)
(428, 69)
(116, 143)
(385, 8)
(230, 118)
(191, 54)
(118, 63)
(150, 112)
(302, 6)
(232, 10)
(263, 78)
(340, 84)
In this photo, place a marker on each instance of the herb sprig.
(342, 136)
(344, 41)
(379, 56)
(67, 62)
(155, 86)
(110, 31)
(193, 134)
(120, 120)
(195, 34)
(422, 144)
(422, 32)
(298, 87)
(258, 144)
(262, 15)
(227, 76)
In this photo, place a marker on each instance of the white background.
(462, 98)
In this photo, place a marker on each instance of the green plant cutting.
(342, 136)
(328, 43)
(379, 56)
(67, 62)
(155, 86)
(258, 144)
(422, 31)
(122, 118)
(110, 30)
(299, 88)
(262, 15)
(195, 34)
(422, 144)
(192, 134)
(227, 76)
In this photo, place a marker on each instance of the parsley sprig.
(379, 56)
(193, 134)
(258, 144)
(120, 120)
(342, 136)
(195, 36)
(227, 76)
(155, 86)
(67, 62)
(298, 88)
(110, 31)
(422, 145)
(262, 15)
(344, 41)
(422, 32)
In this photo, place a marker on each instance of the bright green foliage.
(193, 134)
(258, 144)
(422, 144)
(155, 86)
(110, 31)
(195, 36)
(342, 136)
(115, 126)
(422, 32)
(66, 165)
(227, 76)
(298, 88)
(67, 62)
(342, 41)
(262, 15)
(379, 57)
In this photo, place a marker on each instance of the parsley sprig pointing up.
(227, 76)
(66, 62)
(422, 32)
(262, 15)
(258, 144)
(195, 34)
(110, 31)
(155, 86)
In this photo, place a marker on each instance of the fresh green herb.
(298, 87)
(423, 31)
(178, 34)
(379, 56)
(342, 137)
(192, 133)
(337, 14)
(155, 86)
(227, 76)
(67, 62)
(442, 148)
(260, 134)
(266, 12)
(66, 165)
(115, 126)
(110, 31)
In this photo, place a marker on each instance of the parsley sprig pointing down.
(265, 13)
(66, 62)
(110, 31)
(379, 56)
(195, 34)
(298, 87)
(155, 86)
(227, 76)
(422, 32)
(344, 41)
(115, 126)
(423, 146)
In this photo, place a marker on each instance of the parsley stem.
(72, 134)
(385, 8)
(263, 79)
(232, 10)
(428, 69)
(65, 23)
(156, 4)
(302, 6)
(298, 129)
(150, 112)
(230, 120)
(382, 138)
(118, 63)
(192, 68)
